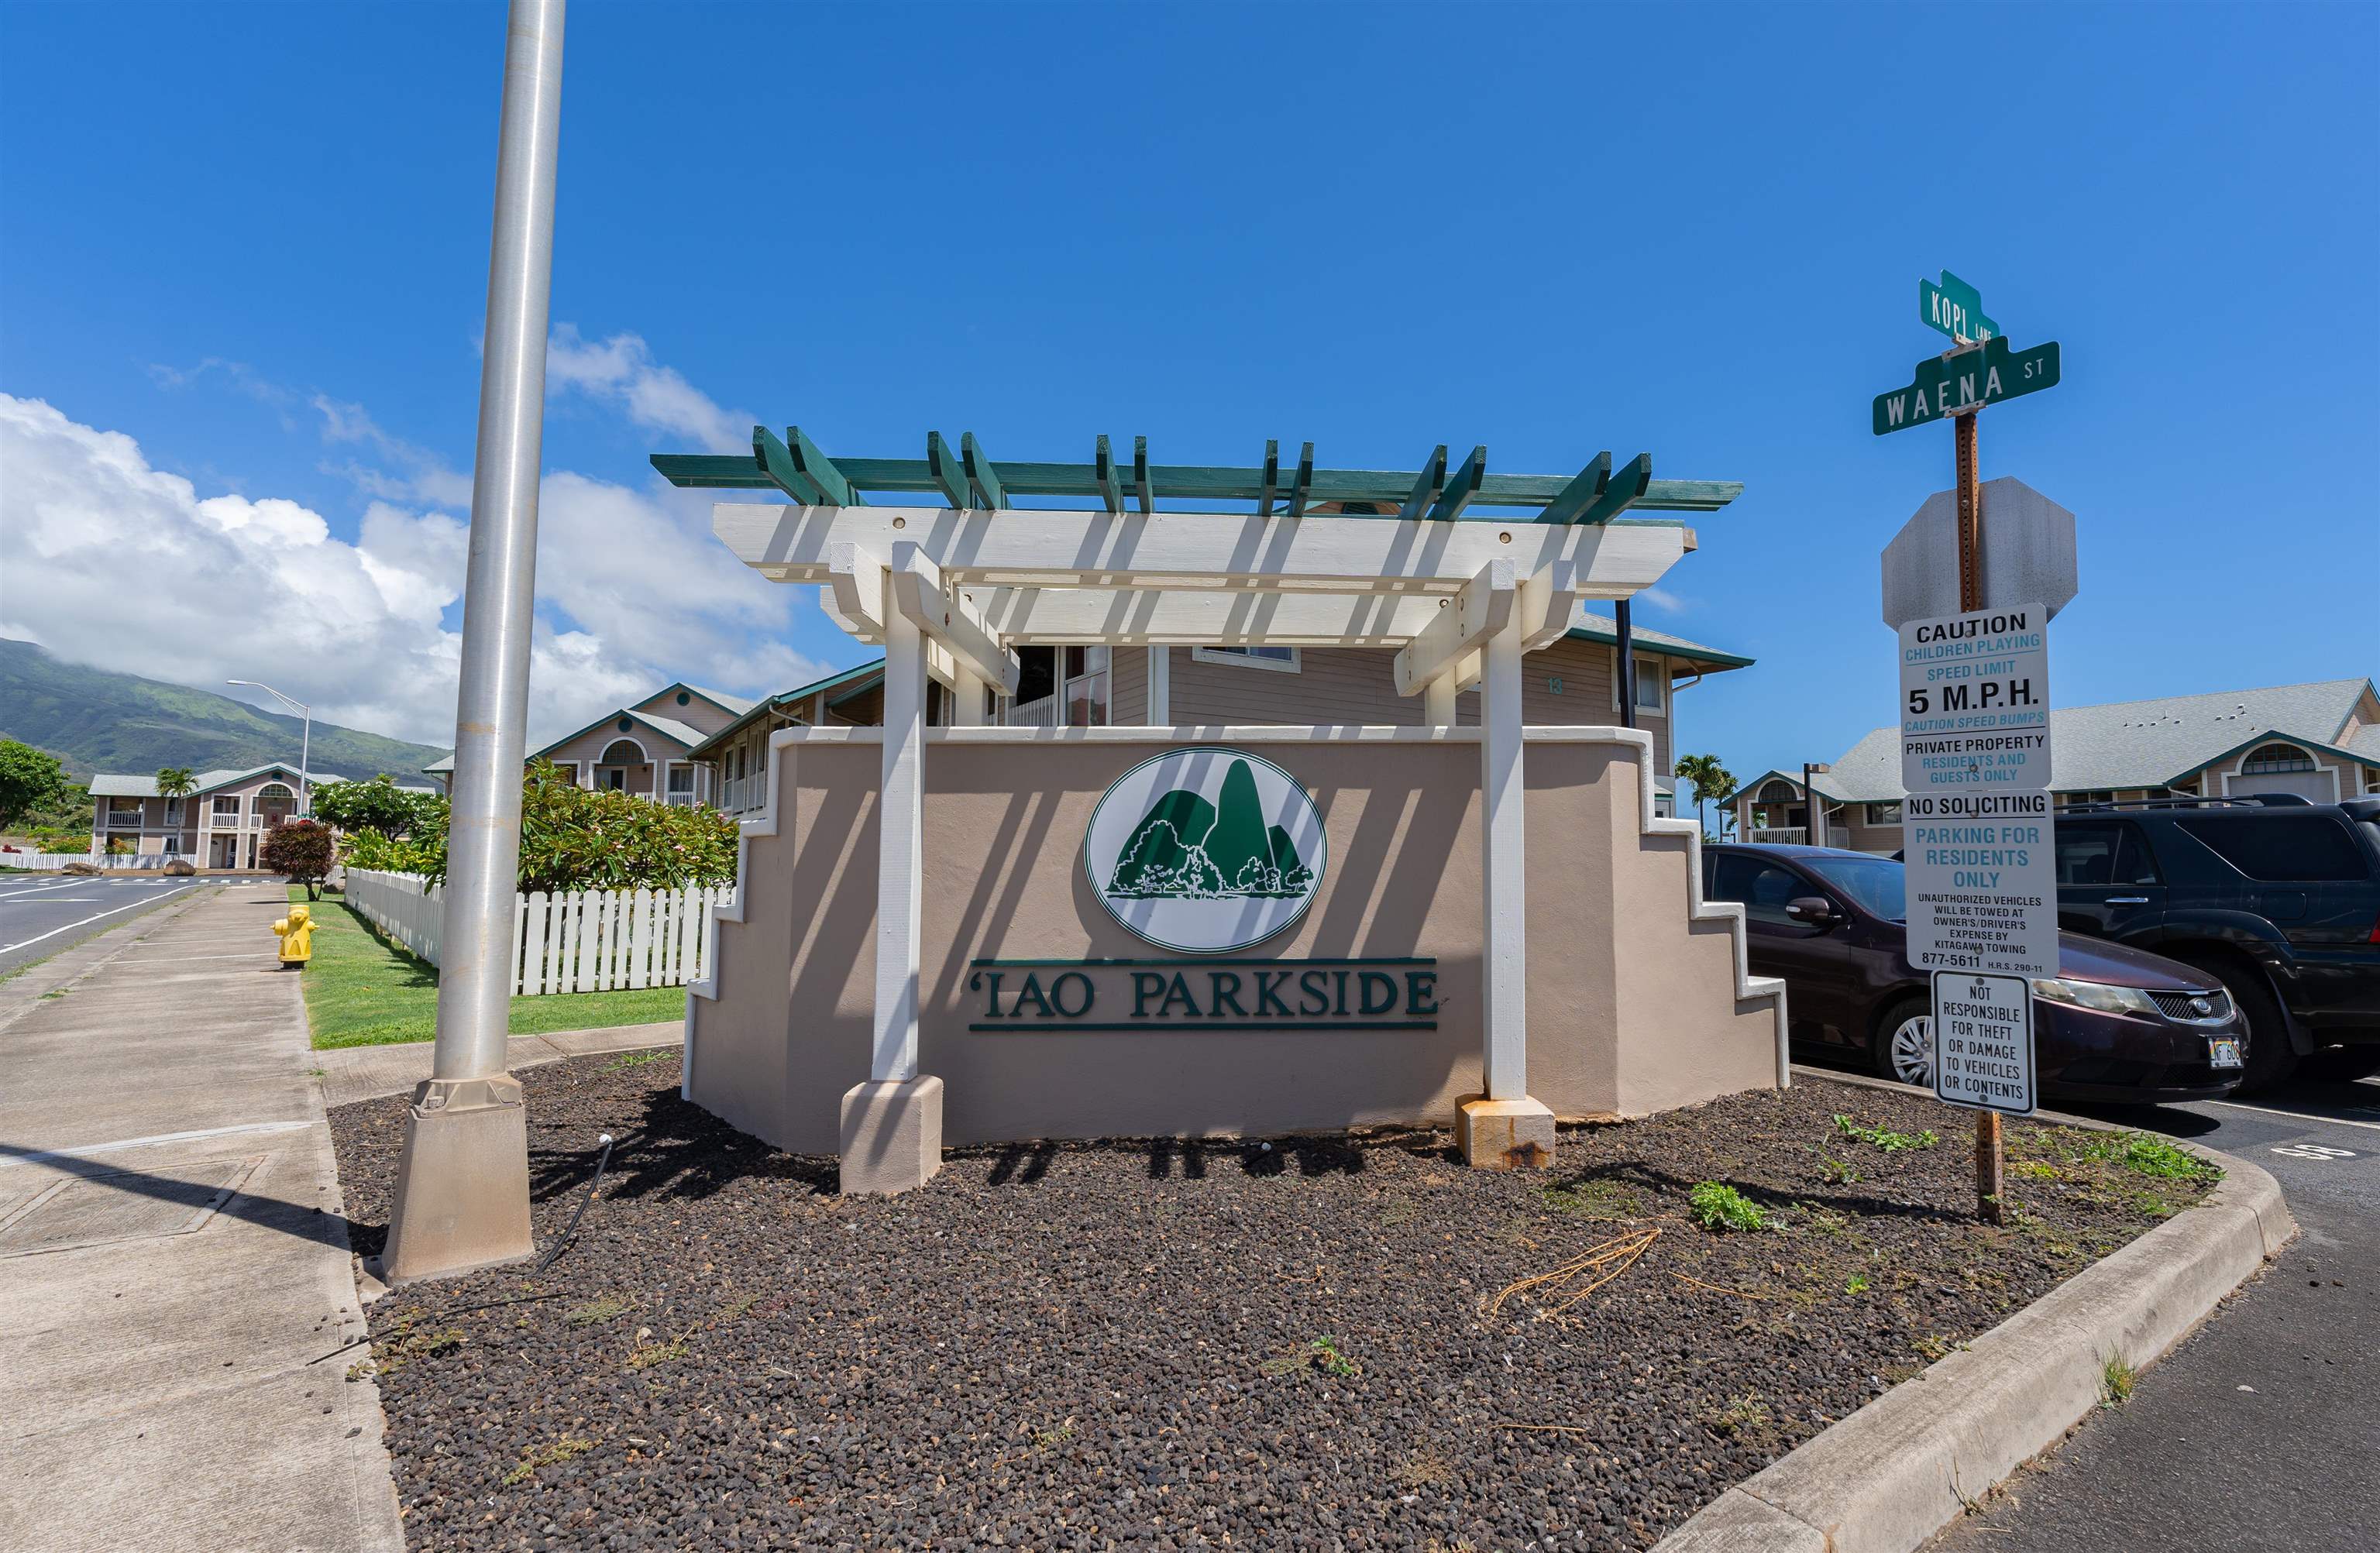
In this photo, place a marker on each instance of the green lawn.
(363, 990)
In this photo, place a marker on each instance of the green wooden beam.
(1301, 483)
(1193, 484)
(777, 461)
(1583, 490)
(1626, 486)
(1462, 488)
(950, 477)
(1426, 486)
(980, 473)
(822, 471)
(1103, 471)
(1272, 478)
(1140, 487)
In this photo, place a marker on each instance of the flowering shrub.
(575, 838)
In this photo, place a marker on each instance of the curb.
(1901, 1468)
(349, 1073)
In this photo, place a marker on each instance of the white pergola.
(952, 594)
(1392, 561)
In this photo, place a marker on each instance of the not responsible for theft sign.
(1977, 829)
(1983, 1041)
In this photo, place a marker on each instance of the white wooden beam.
(852, 596)
(1504, 960)
(900, 820)
(1438, 702)
(918, 590)
(1229, 552)
(1469, 618)
(1159, 712)
(1549, 597)
(1183, 617)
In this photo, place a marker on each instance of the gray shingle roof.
(109, 784)
(2132, 743)
(1597, 627)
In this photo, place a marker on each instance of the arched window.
(275, 792)
(1779, 791)
(623, 752)
(2267, 759)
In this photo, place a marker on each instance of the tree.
(175, 782)
(30, 778)
(1712, 783)
(303, 850)
(377, 805)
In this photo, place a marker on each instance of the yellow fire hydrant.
(296, 934)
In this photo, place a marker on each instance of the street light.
(305, 743)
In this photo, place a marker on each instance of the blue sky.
(253, 239)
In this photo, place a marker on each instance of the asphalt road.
(2263, 1429)
(41, 913)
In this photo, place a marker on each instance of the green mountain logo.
(1187, 849)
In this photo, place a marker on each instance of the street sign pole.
(1990, 1153)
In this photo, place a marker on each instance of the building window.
(1086, 686)
(681, 785)
(2094, 795)
(1880, 814)
(2272, 758)
(227, 806)
(123, 813)
(1652, 682)
(1281, 659)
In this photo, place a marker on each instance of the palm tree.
(175, 782)
(1712, 783)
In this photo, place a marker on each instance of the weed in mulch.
(1884, 1137)
(1600, 1202)
(567, 1449)
(597, 1311)
(2117, 1379)
(1321, 1354)
(1718, 1206)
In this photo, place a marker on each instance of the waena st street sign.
(1966, 381)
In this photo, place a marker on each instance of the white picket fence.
(577, 940)
(115, 862)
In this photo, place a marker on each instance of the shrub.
(378, 806)
(575, 838)
(301, 848)
(30, 780)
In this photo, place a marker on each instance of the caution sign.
(1982, 1043)
(1977, 827)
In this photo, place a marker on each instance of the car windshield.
(1875, 883)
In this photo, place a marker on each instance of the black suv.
(2280, 903)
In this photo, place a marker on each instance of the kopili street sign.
(1976, 825)
(1204, 851)
(1982, 1043)
(2027, 552)
(1966, 381)
(1954, 307)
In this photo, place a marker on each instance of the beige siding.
(588, 748)
(1128, 685)
(695, 714)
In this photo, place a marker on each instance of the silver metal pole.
(306, 766)
(492, 709)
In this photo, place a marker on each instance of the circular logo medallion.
(1204, 851)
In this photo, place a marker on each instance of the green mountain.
(1186, 848)
(97, 720)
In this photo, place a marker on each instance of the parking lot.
(41, 913)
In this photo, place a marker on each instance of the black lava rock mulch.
(1173, 1344)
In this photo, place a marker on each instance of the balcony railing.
(1046, 713)
(124, 819)
(1783, 835)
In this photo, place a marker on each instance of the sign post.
(1978, 826)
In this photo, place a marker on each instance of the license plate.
(2223, 1054)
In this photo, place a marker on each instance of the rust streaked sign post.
(1981, 370)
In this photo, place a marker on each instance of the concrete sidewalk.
(176, 1296)
(366, 1073)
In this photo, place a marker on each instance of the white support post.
(891, 1130)
(900, 820)
(1160, 687)
(966, 700)
(1438, 702)
(1504, 1128)
(1504, 991)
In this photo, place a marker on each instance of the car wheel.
(1903, 1046)
(2342, 1064)
(2270, 1059)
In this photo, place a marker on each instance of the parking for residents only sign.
(1983, 1041)
(1977, 826)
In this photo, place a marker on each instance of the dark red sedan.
(2115, 1024)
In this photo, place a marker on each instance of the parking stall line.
(128, 906)
(2308, 1118)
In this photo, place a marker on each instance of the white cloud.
(105, 560)
(621, 371)
(1663, 599)
(423, 477)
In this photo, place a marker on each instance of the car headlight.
(2094, 995)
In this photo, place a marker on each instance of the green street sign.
(1966, 381)
(1955, 308)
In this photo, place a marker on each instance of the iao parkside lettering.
(1202, 995)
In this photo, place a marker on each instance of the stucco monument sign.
(985, 933)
